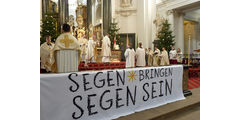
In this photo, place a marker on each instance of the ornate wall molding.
(126, 12)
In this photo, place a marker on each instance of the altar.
(108, 94)
(115, 57)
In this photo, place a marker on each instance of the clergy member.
(146, 56)
(83, 44)
(46, 54)
(173, 56)
(140, 56)
(106, 50)
(150, 57)
(179, 56)
(130, 57)
(90, 50)
(156, 54)
(66, 41)
(164, 57)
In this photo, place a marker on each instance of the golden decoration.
(66, 41)
(132, 76)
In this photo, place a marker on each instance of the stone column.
(44, 7)
(179, 30)
(153, 33)
(140, 21)
(107, 14)
(63, 11)
(89, 13)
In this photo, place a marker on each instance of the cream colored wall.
(167, 9)
(139, 20)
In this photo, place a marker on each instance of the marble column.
(89, 13)
(63, 11)
(179, 30)
(45, 4)
(140, 22)
(153, 33)
(107, 14)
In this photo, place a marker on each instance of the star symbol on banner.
(132, 76)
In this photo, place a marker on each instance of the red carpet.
(193, 82)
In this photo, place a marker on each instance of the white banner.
(108, 94)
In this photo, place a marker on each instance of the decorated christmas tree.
(113, 34)
(166, 39)
(48, 27)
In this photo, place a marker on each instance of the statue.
(80, 30)
(79, 21)
(71, 20)
(71, 23)
(90, 30)
(126, 3)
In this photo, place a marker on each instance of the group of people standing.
(142, 57)
(66, 41)
(147, 57)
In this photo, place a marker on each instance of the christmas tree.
(166, 39)
(113, 34)
(48, 28)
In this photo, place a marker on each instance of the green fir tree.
(166, 39)
(48, 27)
(113, 30)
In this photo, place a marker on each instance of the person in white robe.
(179, 55)
(106, 48)
(173, 54)
(90, 50)
(140, 56)
(130, 57)
(66, 41)
(83, 44)
(164, 57)
(156, 54)
(46, 54)
(150, 57)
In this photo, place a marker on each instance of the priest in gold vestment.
(46, 54)
(156, 55)
(150, 57)
(66, 41)
(164, 57)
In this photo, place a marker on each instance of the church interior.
(96, 35)
(128, 22)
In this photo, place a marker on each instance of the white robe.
(90, 50)
(150, 58)
(164, 58)
(66, 50)
(130, 57)
(156, 57)
(46, 55)
(59, 45)
(106, 49)
(173, 55)
(83, 44)
(179, 57)
(140, 56)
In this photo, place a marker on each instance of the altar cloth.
(108, 94)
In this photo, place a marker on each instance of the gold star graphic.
(132, 76)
